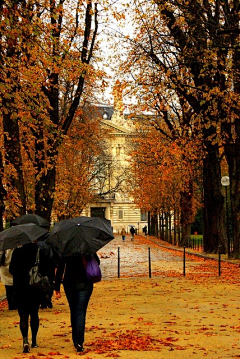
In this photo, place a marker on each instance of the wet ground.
(140, 257)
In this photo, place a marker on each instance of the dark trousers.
(78, 302)
(28, 307)
(11, 298)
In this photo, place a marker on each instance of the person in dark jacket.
(78, 290)
(28, 298)
(132, 231)
(49, 268)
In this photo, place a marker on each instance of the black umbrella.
(85, 235)
(31, 218)
(22, 234)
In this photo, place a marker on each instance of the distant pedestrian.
(145, 230)
(132, 231)
(123, 234)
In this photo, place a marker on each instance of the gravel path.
(133, 258)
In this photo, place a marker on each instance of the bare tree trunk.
(166, 226)
(186, 214)
(213, 211)
(46, 186)
(232, 150)
(175, 228)
(153, 228)
(234, 175)
(13, 159)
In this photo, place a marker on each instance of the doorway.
(98, 212)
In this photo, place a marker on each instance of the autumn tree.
(10, 50)
(84, 167)
(165, 176)
(192, 48)
(46, 73)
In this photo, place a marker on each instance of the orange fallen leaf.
(54, 353)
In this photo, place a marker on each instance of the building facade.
(117, 204)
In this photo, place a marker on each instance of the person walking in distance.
(145, 230)
(132, 231)
(123, 234)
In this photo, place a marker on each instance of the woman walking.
(28, 298)
(78, 289)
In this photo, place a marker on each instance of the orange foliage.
(46, 77)
(75, 169)
(187, 75)
(162, 170)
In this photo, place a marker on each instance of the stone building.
(116, 204)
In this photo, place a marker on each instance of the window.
(120, 214)
(118, 150)
(143, 216)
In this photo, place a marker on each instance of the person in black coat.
(132, 231)
(49, 269)
(28, 298)
(78, 289)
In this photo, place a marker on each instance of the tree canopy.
(183, 62)
(49, 69)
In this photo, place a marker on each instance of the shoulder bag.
(93, 271)
(37, 280)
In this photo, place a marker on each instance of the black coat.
(23, 259)
(132, 230)
(71, 271)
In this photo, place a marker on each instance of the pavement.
(132, 316)
(148, 256)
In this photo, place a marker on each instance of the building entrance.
(98, 212)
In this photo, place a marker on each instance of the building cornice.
(119, 130)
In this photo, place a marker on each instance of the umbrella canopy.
(21, 234)
(85, 235)
(31, 218)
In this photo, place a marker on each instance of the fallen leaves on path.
(132, 340)
(198, 267)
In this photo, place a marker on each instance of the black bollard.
(184, 261)
(149, 262)
(219, 261)
(118, 262)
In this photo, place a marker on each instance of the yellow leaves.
(119, 16)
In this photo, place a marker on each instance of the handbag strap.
(37, 257)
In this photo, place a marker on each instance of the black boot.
(26, 348)
(79, 348)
